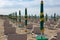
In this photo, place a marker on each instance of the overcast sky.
(33, 6)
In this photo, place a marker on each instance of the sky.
(33, 6)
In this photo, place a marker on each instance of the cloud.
(51, 3)
(28, 0)
(20, 4)
(28, 3)
(51, 11)
(8, 6)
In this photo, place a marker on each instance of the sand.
(48, 33)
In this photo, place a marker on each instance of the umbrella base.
(41, 38)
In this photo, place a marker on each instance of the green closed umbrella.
(41, 37)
